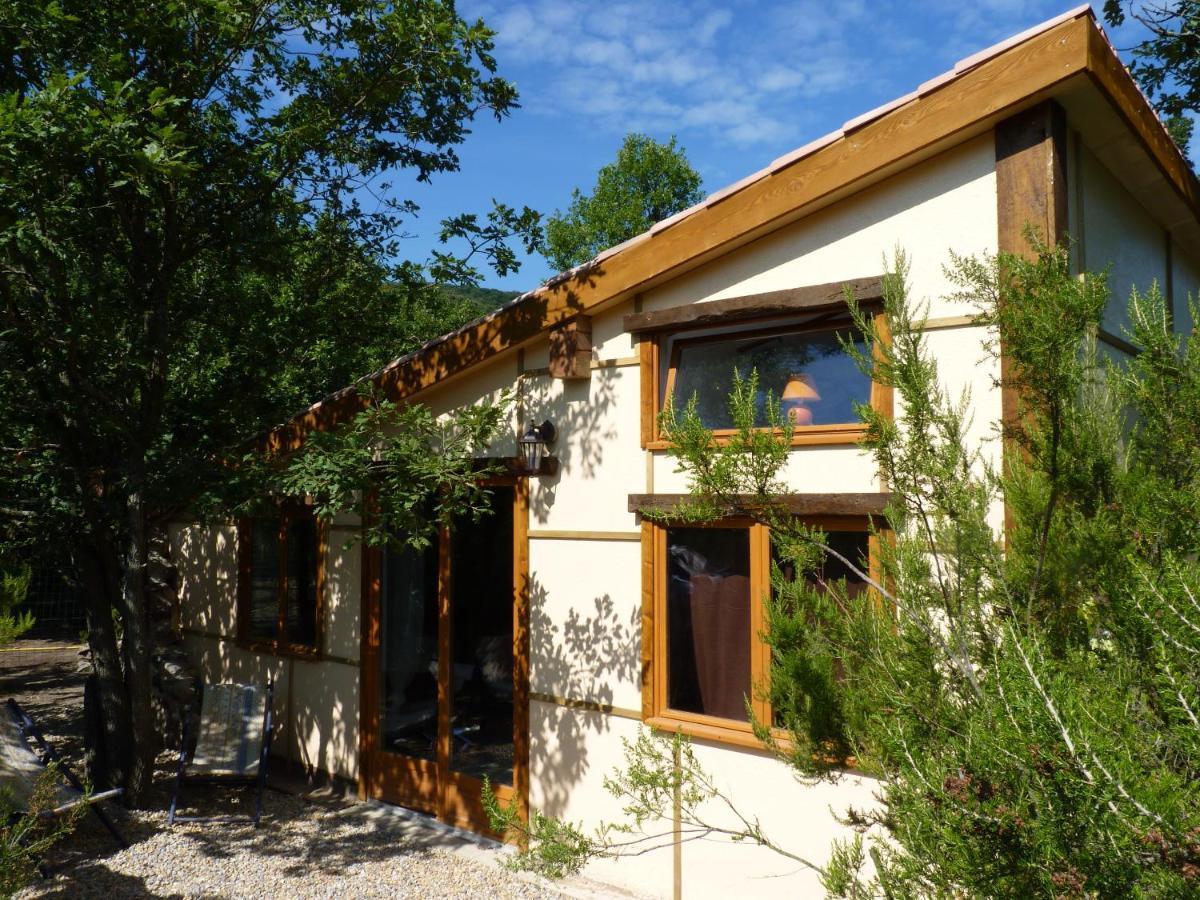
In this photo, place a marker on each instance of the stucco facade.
(586, 559)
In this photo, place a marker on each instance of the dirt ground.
(47, 680)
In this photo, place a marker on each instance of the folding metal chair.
(21, 766)
(231, 748)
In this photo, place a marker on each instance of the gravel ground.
(316, 845)
(302, 850)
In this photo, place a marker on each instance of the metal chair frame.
(257, 780)
(46, 754)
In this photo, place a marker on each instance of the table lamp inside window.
(799, 392)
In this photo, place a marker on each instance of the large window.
(708, 655)
(800, 361)
(280, 581)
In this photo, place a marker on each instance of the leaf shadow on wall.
(580, 658)
(583, 412)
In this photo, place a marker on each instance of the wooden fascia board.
(977, 95)
(1114, 81)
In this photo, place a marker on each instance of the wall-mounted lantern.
(534, 442)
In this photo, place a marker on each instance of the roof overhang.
(1068, 59)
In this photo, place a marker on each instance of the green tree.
(1167, 64)
(648, 182)
(191, 248)
(1030, 706)
(14, 586)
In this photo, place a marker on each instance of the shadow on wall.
(579, 657)
(324, 717)
(584, 414)
(343, 588)
(316, 703)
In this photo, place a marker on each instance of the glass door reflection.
(481, 625)
(408, 653)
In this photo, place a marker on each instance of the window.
(280, 581)
(799, 360)
(708, 656)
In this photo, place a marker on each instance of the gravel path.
(325, 847)
(303, 850)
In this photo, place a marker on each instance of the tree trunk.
(138, 655)
(119, 715)
(106, 708)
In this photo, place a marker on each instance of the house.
(526, 647)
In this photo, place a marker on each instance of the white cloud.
(733, 72)
(739, 72)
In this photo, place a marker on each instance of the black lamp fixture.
(534, 442)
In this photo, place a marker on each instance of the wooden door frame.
(422, 784)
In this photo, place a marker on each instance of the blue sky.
(739, 83)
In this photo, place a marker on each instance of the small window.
(801, 362)
(817, 382)
(279, 581)
(709, 655)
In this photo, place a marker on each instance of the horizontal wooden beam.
(811, 298)
(607, 709)
(558, 534)
(866, 504)
(1117, 342)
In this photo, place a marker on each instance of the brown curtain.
(720, 612)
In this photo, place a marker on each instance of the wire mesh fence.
(56, 602)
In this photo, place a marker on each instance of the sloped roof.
(979, 91)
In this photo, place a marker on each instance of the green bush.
(26, 834)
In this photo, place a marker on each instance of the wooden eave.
(1054, 60)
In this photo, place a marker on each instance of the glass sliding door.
(445, 672)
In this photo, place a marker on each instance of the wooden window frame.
(656, 711)
(287, 514)
(655, 389)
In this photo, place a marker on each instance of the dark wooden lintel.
(797, 504)
(812, 298)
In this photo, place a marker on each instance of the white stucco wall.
(588, 588)
(316, 703)
(946, 203)
(1120, 235)
(1185, 272)
(585, 591)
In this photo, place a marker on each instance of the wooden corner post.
(1031, 176)
(1031, 190)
